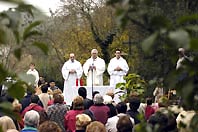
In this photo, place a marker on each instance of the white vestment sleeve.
(110, 68)
(86, 67)
(100, 68)
(65, 71)
(124, 67)
(79, 70)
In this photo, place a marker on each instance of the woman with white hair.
(31, 121)
(99, 109)
(6, 123)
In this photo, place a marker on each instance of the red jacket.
(32, 106)
(149, 111)
(70, 120)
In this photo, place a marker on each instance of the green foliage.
(10, 27)
(168, 25)
(17, 90)
(28, 31)
(3, 74)
(41, 46)
(17, 53)
(134, 85)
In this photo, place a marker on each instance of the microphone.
(92, 66)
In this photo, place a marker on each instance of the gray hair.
(94, 51)
(31, 118)
(98, 99)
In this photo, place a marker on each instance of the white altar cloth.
(102, 89)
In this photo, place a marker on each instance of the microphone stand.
(92, 80)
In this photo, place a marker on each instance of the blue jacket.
(29, 129)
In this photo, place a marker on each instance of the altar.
(101, 89)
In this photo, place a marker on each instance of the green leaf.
(159, 22)
(28, 78)
(2, 36)
(31, 33)
(17, 53)
(29, 28)
(194, 43)
(41, 46)
(192, 28)
(148, 42)
(188, 18)
(180, 38)
(6, 105)
(25, 8)
(17, 36)
(3, 74)
(17, 90)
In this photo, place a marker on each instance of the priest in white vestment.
(71, 72)
(117, 69)
(34, 72)
(94, 68)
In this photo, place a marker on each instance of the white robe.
(35, 74)
(69, 91)
(117, 76)
(97, 74)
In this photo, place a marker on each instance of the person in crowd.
(121, 108)
(43, 116)
(185, 118)
(96, 126)
(6, 123)
(93, 69)
(31, 121)
(182, 58)
(149, 110)
(99, 109)
(108, 102)
(82, 120)
(117, 69)
(163, 104)
(71, 72)
(70, 116)
(94, 93)
(33, 105)
(158, 91)
(49, 126)
(87, 102)
(111, 93)
(134, 103)
(26, 100)
(182, 63)
(90, 114)
(44, 96)
(41, 81)
(16, 109)
(34, 72)
(159, 119)
(57, 111)
(52, 85)
(124, 124)
(55, 92)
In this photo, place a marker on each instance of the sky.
(43, 5)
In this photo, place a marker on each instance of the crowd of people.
(45, 107)
(46, 111)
